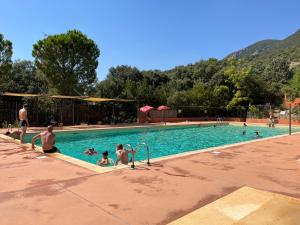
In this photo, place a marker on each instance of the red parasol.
(146, 108)
(163, 107)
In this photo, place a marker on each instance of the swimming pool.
(162, 140)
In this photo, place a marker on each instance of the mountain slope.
(269, 47)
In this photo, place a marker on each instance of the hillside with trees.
(266, 48)
(66, 64)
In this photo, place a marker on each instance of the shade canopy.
(20, 94)
(83, 98)
(163, 107)
(92, 99)
(146, 108)
(66, 97)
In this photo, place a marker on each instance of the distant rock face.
(269, 46)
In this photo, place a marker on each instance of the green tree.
(121, 82)
(200, 95)
(155, 77)
(123, 73)
(25, 78)
(239, 78)
(292, 89)
(5, 62)
(178, 98)
(275, 74)
(221, 96)
(68, 61)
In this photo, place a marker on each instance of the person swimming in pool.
(48, 140)
(257, 134)
(105, 161)
(90, 151)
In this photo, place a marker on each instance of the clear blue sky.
(150, 34)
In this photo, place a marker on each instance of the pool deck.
(246, 206)
(52, 191)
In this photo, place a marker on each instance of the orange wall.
(294, 103)
(265, 121)
(233, 119)
(182, 119)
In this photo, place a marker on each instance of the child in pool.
(105, 161)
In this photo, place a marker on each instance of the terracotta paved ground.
(54, 192)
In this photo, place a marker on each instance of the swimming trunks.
(52, 150)
(23, 123)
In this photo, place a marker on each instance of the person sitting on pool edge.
(105, 161)
(122, 154)
(48, 140)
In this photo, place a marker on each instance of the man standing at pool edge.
(23, 121)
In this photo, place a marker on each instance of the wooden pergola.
(81, 98)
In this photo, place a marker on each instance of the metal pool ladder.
(137, 150)
(220, 119)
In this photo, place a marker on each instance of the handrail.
(220, 119)
(132, 153)
(147, 149)
(129, 145)
(138, 149)
(9, 127)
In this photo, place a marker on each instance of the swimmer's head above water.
(90, 151)
(50, 128)
(119, 146)
(257, 134)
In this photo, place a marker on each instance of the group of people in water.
(257, 135)
(48, 141)
(48, 138)
(121, 153)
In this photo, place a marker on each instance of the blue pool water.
(162, 140)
